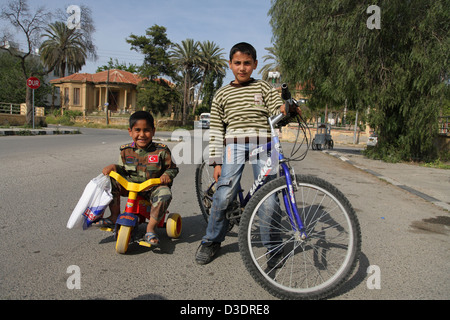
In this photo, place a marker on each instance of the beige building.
(87, 92)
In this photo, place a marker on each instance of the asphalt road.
(42, 178)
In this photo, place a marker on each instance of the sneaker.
(274, 259)
(206, 251)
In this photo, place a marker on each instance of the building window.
(66, 97)
(76, 96)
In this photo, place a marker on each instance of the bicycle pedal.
(108, 229)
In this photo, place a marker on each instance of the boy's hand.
(165, 179)
(106, 170)
(217, 172)
(284, 110)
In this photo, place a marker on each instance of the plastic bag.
(92, 204)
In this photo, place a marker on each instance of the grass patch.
(437, 164)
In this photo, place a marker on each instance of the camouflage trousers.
(159, 197)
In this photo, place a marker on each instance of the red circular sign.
(33, 83)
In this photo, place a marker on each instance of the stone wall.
(20, 120)
(339, 136)
(121, 121)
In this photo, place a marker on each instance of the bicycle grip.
(285, 94)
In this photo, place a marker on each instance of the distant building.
(88, 93)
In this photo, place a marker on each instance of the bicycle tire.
(304, 269)
(203, 179)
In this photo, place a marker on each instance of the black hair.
(243, 47)
(142, 115)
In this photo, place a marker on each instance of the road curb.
(404, 187)
(37, 132)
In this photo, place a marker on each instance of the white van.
(204, 121)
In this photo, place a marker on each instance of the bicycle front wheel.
(279, 259)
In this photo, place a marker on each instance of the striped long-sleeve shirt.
(239, 112)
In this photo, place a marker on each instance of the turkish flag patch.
(153, 158)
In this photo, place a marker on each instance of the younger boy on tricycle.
(139, 161)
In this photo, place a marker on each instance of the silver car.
(373, 140)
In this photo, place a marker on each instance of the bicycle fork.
(289, 198)
(290, 204)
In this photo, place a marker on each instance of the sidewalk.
(41, 131)
(430, 184)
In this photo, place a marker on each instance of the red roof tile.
(115, 76)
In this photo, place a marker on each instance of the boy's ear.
(129, 131)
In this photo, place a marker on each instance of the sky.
(226, 22)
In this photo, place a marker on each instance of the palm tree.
(186, 57)
(210, 61)
(64, 49)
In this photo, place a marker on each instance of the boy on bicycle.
(239, 122)
(139, 161)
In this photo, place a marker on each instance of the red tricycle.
(137, 210)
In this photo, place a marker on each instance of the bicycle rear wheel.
(287, 266)
(204, 187)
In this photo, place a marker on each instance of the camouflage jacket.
(138, 165)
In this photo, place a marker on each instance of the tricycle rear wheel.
(173, 225)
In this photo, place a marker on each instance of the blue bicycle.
(314, 233)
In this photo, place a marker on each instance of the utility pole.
(356, 126)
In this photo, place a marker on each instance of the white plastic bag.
(92, 204)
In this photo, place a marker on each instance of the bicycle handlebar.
(290, 104)
(285, 94)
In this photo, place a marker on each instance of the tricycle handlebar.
(132, 186)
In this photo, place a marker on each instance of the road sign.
(33, 83)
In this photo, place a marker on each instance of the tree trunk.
(185, 98)
(198, 94)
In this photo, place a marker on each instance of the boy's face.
(141, 133)
(242, 66)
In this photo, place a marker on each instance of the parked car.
(204, 121)
(373, 140)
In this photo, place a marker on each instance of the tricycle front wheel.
(123, 239)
